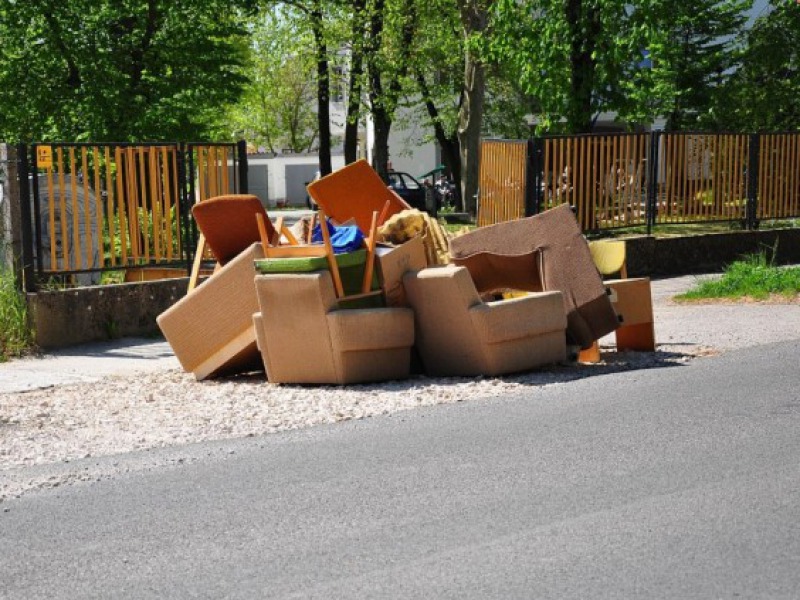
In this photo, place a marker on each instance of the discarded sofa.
(546, 252)
(459, 334)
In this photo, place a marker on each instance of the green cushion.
(351, 268)
(307, 264)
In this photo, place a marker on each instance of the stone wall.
(648, 256)
(69, 317)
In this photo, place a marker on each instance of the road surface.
(680, 482)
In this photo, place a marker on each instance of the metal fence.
(90, 208)
(644, 179)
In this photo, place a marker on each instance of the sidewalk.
(678, 327)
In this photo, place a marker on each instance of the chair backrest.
(229, 225)
(609, 257)
(355, 192)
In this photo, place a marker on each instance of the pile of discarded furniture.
(369, 290)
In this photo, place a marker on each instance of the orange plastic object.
(355, 192)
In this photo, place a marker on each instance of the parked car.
(409, 189)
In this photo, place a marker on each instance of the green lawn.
(753, 277)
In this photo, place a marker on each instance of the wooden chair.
(356, 192)
(227, 227)
(325, 250)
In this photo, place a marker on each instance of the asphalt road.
(679, 482)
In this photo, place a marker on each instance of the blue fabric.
(344, 238)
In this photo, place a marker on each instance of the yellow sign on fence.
(44, 157)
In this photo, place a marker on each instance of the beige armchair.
(304, 337)
(459, 334)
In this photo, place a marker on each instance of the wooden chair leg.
(366, 285)
(198, 261)
(332, 264)
(262, 233)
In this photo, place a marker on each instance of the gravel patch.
(60, 426)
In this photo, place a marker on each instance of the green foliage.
(576, 57)
(753, 277)
(277, 108)
(763, 94)
(698, 53)
(118, 70)
(16, 337)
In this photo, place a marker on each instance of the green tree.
(763, 93)
(276, 109)
(577, 58)
(699, 54)
(118, 70)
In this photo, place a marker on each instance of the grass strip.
(16, 338)
(753, 277)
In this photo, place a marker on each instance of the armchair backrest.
(444, 296)
(294, 309)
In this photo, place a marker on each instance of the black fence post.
(37, 211)
(651, 207)
(28, 277)
(752, 181)
(186, 207)
(241, 151)
(533, 183)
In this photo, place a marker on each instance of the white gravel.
(59, 425)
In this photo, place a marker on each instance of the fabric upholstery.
(355, 192)
(546, 252)
(458, 334)
(229, 223)
(304, 336)
(211, 329)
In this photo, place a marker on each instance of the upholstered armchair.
(305, 337)
(459, 334)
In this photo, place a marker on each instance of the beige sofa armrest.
(371, 329)
(518, 318)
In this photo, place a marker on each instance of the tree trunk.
(380, 150)
(354, 85)
(470, 115)
(451, 157)
(584, 31)
(323, 93)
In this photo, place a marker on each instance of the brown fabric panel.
(371, 329)
(526, 353)
(565, 264)
(229, 223)
(217, 311)
(493, 272)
